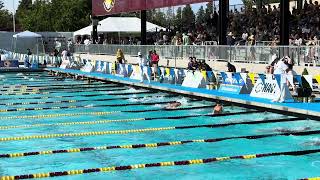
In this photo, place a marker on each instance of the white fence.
(302, 55)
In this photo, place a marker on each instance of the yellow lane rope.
(160, 164)
(56, 115)
(94, 133)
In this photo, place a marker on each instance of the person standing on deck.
(155, 61)
(142, 62)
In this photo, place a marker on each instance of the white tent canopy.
(27, 34)
(120, 25)
(28, 40)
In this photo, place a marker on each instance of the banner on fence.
(9, 64)
(107, 7)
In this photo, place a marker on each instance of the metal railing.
(302, 55)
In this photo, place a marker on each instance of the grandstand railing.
(302, 55)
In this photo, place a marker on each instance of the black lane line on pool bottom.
(86, 100)
(160, 164)
(73, 107)
(152, 145)
(56, 92)
(60, 88)
(83, 95)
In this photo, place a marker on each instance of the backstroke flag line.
(107, 7)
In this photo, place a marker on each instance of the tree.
(57, 15)
(248, 3)
(178, 18)
(160, 18)
(209, 10)
(169, 17)
(5, 19)
(188, 17)
(200, 16)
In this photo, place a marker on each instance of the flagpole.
(13, 17)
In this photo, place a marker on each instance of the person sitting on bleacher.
(231, 67)
(204, 66)
(120, 57)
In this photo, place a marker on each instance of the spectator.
(231, 67)
(149, 59)
(120, 57)
(155, 61)
(64, 55)
(186, 39)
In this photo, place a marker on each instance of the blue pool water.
(276, 167)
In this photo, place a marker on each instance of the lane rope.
(6, 86)
(77, 114)
(83, 106)
(56, 115)
(81, 95)
(313, 178)
(86, 100)
(107, 121)
(160, 164)
(56, 92)
(136, 146)
(25, 89)
(99, 133)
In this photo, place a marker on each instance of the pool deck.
(311, 110)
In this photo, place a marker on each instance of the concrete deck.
(311, 110)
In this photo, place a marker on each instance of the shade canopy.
(119, 24)
(27, 34)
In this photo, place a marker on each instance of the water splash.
(88, 106)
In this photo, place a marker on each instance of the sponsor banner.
(9, 64)
(269, 89)
(227, 88)
(107, 7)
(232, 78)
(194, 80)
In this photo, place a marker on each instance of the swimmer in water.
(173, 105)
(59, 78)
(283, 130)
(218, 109)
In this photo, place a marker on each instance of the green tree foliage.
(178, 18)
(5, 18)
(201, 16)
(188, 17)
(57, 15)
(209, 10)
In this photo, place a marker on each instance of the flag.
(137, 69)
(252, 76)
(244, 76)
(167, 72)
(209, 74)
(224, 76)
(237, 76)
(172, 72)
(309, 79)
(262, 77)
(204, 75)
(317, 77)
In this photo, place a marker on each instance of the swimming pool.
(106, 131)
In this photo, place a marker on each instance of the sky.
(9, 4)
